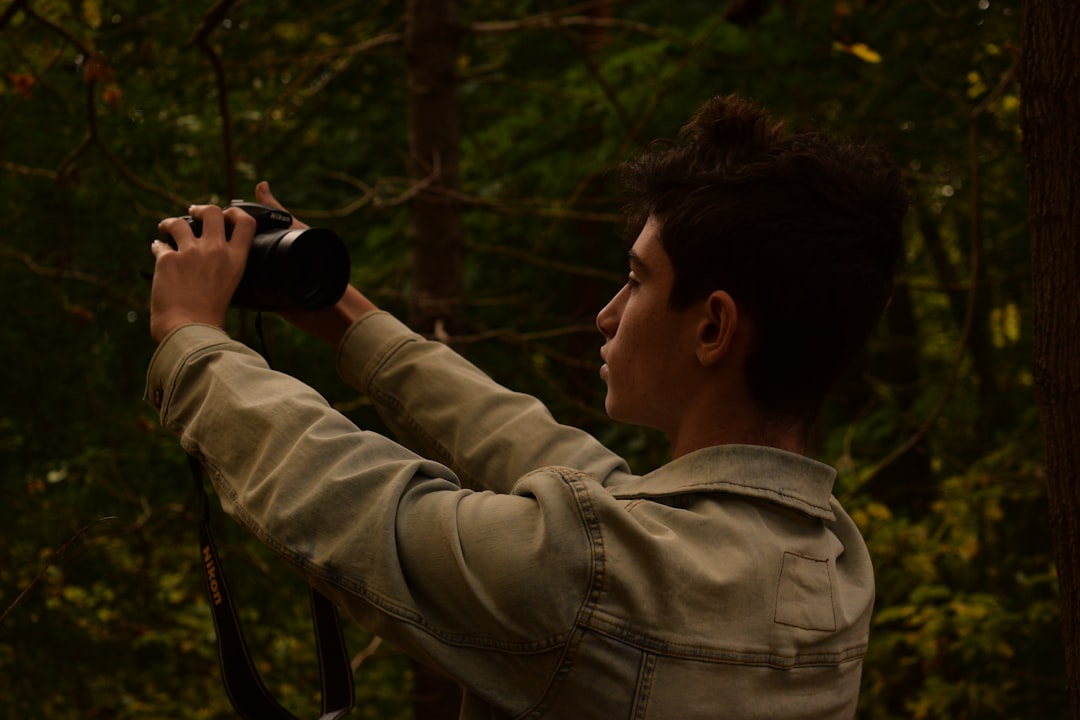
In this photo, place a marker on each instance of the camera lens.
(318, 267)
(303, 269)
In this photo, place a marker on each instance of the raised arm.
(447, 409)
(442, 406)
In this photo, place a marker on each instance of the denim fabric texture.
(519, 555)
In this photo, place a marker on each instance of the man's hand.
(331, 323)
(195, 282)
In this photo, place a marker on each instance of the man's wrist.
(162, 327)
(332, 323)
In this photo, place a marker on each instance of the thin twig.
(542, 262)
(59, 30)
(521, 338)
(321, 55)
(1003, 84)
(27, 170)
(41, 573)
(367, 652)
(202, 39)
(550, 22)
(529, 207)
(107, 288)
(211, 19)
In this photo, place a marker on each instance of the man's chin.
(626, 415)
(611, 408)
(617, 413)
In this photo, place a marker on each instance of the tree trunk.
(1050, 115)
(431, 46)
(437, 304)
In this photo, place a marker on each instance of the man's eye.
(631, 281)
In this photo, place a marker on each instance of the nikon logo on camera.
(211, 574)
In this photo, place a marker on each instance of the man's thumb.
(264, 196)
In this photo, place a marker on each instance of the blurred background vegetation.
(116, 114)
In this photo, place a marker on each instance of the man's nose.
(607, 320)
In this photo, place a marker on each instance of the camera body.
(287, 268)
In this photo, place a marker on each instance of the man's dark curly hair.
(802, 229)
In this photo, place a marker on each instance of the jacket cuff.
(367, 344)
(170, 356)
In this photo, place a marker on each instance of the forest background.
(116, 114)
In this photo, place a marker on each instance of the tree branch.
(74, 41)
(211, 19)
(94, 137)
(322, 55)
(27, 170)
(202, 39)
(541, 262)
(107, 288)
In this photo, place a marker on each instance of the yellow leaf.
(863, 52)
(1011, 322)
(859, 50)
(879, 511)
(91, 13)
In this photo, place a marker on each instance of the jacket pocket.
(804, 595)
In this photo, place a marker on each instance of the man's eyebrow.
(636, 264)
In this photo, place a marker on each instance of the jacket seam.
(646, 674)
(735, 488)
(732, 656)
(577, 480)
(433, 448)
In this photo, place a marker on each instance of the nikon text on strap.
(245, 688)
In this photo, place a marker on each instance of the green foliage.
(111, 117)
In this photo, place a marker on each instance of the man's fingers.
(243, 228)
(159, 248)
(178, 230)
(212, 219)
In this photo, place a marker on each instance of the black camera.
(287, 269)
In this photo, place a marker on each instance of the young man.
(727, 583)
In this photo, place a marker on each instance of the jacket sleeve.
(486, 586)
(445, 408)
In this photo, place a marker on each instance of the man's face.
(649, 361)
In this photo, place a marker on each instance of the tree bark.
(437, 305)
(431, 47)
(1049, 116)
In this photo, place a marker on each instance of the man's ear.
(717, 327)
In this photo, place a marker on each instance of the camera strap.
(246, 691)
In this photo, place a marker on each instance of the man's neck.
(746, 428)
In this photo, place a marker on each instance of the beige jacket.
(726, 584)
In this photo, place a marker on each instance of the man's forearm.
(445, 408)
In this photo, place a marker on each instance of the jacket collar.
(785, 478)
